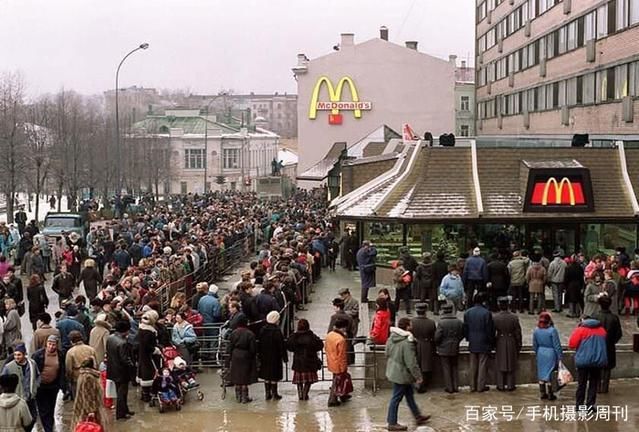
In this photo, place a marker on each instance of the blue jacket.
(452, 287)
(209, 308)
(66, 326)
(475, 269)
(479, 329)
(589, 342)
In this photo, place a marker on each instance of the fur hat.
(213, 289)
(273, 317)
(150, 317)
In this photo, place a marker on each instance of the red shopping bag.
(89, 425)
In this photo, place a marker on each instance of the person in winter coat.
(305, 345)
(50, 363)
(589, 342)
(337, 362)
(209, 306)
(351, 308)
(423, 329)
(38, 299)
(183, 336)
(63, 284)
(37, 263)
(424, 280)
(547, 347)
(28, 379)
(68, 323)
(90, 278)
(498, 281)
(381, 323)
(574, 288)
(536, 277)
(452, 287)
(440, 270)
(593, 291)
(479, 331)
(99, 335)
(403, 371)
(611, 324)
(475, 275)
(78, 353)
(402, 279)
(12, 323)
(508, 342)
(448, 335)
(557, 277)
(14, 411)
(119, 367)
(365, 258)
(147, 348)
(241, 360)
(89, 398)
(517, 268)
(271, 351)
(42, 333)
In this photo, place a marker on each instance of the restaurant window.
(451, 239)
(604, 238)
(387, 237)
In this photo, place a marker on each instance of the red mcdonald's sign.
(558, 193)
(559, 190)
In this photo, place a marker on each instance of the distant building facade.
(464, 98)
(134, 102)
(347, 94)
(234, 155)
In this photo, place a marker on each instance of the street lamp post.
(206, 137)
(117, 118)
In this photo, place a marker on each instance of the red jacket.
(381, 327)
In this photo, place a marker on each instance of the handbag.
(563, 375)
(110, 390)
(342, 384)
(89, 425)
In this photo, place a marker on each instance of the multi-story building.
(205, 151)
(464, 98)
(278, 112)
(557, 67)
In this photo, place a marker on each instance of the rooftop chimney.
(463, 62)
(383, 33)
(302, 60)
(453, 59)
(411, 45)
(348, 39)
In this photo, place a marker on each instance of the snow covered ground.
(43, 210)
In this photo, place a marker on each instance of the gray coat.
(448, 335)
(591, 293)
(351, 307)
(12, 328)
(424, 333)
(507, 340)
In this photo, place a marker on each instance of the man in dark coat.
(410, 265)
(474, 275)
(440, 269)
(21, 219)
(479, 331)
(338, 305)
(119, 366)
(610, 322)
(271, 351)
(423, 281)
(424, 334)
(366, 262)
(498, 281)
(507, 345)
(574, 288)
(448, 335)
(51, 381)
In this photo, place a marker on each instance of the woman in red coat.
(381, 322)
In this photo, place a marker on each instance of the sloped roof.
(320, 170)
(190, 125)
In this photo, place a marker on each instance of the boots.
(276, 396)
(551, 395)
(332, 399)
(267, 391)
(146, 394)
(238, 394)
(300, 391)
(307, 388)
(542, 391)
(245, 395)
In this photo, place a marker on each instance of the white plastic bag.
(563, 375)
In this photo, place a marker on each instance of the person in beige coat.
(99, 335)
(76, 356)
(536, 276)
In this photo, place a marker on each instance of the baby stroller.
(165, 390)
(185, 378)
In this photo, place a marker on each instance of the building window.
(602, 21)
(231, 158)
(193, 158)
(589, 26)
(589, 88)
(464, 130)
(465, 103)
(621, 81)
(622, 14)
(634, 11)
(183, 188)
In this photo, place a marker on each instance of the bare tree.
(12, 136)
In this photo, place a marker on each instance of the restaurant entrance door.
(550, 238)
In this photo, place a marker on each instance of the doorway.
(550, 238)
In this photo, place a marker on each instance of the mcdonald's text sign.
(567, 191)
(335, 104)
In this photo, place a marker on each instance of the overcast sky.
(208, 45)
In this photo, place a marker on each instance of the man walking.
(449, 333)
(50, 362)
(507, 345)
(479, 331)
(366, 263)
(402, 370)
(119, 367)
(589, 342)
(557, 278)
(28, 379)
(63, 284)
(611, 324)
(424, 334)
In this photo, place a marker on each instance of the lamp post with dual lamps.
(142, 46)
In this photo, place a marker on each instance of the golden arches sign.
(559, 188)
(335, 103)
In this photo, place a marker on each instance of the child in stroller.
(184, 375)
(167, 391)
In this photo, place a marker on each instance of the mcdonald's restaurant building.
(499, 198)
(347, 94)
